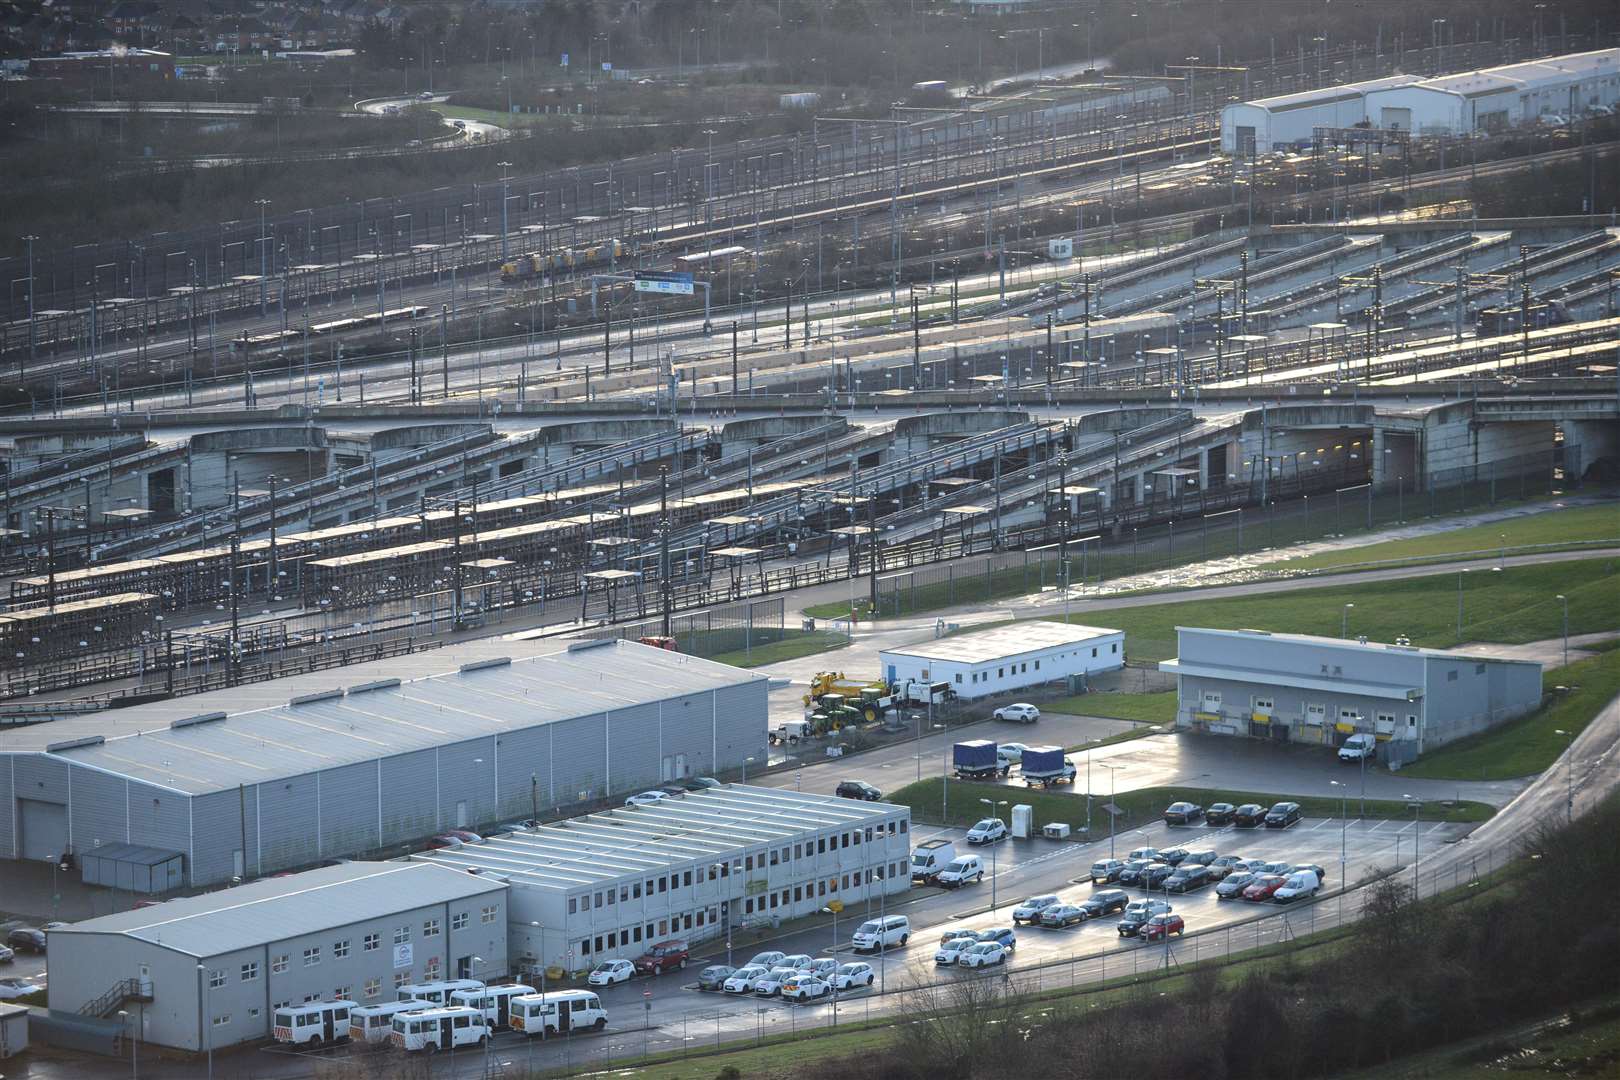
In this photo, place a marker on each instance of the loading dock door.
(44, 829)
(1395, 119)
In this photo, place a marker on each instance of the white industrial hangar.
(1278, 123)
(270, 776)
(1008, 657)
(356, 932)
(609, 885)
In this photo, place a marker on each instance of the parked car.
(1155, 876)
(1003, 934)
(1030, 910)
(888, 932)
(1263, 887)
(1023, 712)
(953, 935)
(853, 976)
(6, 955)
(674, 791)
(714, 976)
(857, 789)
(466, 836)
(1249, 815)
(1361, 747)
(1138, 913)
(987, 831)
(770, 983)
(1106, 902)
(1173, 856)
(1273, 868)
(961, 871)
(1162, 926)
(609, 972)
(26, 939)
(1282, 815)
(1012, 751)
(949, 951)
(1301, 885)
(982, 954)
(1133, 871)
(1202, 858)
(766, 960)
(1188, 876)
(1219, 813)
(802, 988)
(1106, 872)
(1321, 874)
(442, 841)
(1234, 883)
(1182, 813)
(661, 957)
(797, 961)
(821, 967)
(1222, 865)
(1150, 854)
(1061, 915)
(526, 825)
(744, 979)
(12, 988)
(646, 798)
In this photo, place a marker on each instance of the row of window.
(745, 864)
(1022, 667)
(371, 989)
(371, 943)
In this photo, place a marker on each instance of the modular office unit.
(610, 885)
(1007, 658)
(211, 970)
(1299, 688)
(272, 776)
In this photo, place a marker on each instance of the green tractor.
(832, 713)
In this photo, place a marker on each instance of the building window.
(635, 933)
(773, 856)
(1093, 654)
(401, 978)
(488, 914)
(373, 942)
(250, 971)
(635, 890)
(430, 928)
(432, 967)
(611, 896)
(959, 678)
(1023, 668)
(221, 1021)
(573, 905)
(312, 956)
(373, 989)
(585, 902)
(1037, 665)
(1451, 676)
(340, 949)
(458, 921)
(402, 934)
(216, 979)
(1114, 648)
(278, 964)
(903, 826)
(686, 879)
(343, 993)
(687, 921)
(663, 884)
(1001, 673)
(624, 893)
(613, 939)
(1479, 669)
(253, 1014)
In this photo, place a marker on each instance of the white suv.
(889, 932)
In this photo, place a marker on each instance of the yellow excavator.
(835, 682)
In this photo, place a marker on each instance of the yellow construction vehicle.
(834, 682)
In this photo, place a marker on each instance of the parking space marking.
(1319, 824)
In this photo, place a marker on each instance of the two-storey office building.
(607, 886)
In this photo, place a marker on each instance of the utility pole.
(734, 362)
(607, 339)
(665, 585)
(916, 345)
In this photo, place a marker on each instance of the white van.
(495, 1001)
(1301, 885)
(437, 992)
(372, 1023)
(888, 932)
(962, 870)
(438, 1029)
(930, 857)
(313, 1022)
(557, 1013)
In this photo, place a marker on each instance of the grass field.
(1510, 606)
(1157, 708)
(1585, 1043)
(1569, 526)
(795, 645)
(1528, 745)
(1141, 805)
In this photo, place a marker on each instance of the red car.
(1264, 886)
(1162, 926)
(662, 957)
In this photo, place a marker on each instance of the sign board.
(649, 281)
(402, 956)
(836, 906)
(606, 66)
(564, 59)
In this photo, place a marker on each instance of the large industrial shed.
(1501, 97)
(1008, 657)
(1258, 127)
(1318, 690)
(270, 776)
(610, 885)
(357, 931)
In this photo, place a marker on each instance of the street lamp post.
(1113, 782)
(1569, 773)
(1460, 574)
(1344, 825)
(540, 932)
(1344, 622)
(134, 1044)
(993, 804)
(1562, 599)
(1417, 808)
(204, 1003)
(830, 910)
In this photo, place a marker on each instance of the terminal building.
(1006, 658)
(607, 886)
(271, 776)
(209, 971)
(1320, 691)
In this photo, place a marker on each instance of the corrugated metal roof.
(276, 909)
(706, 826)
(438, 701)
(1327, 95)
(1000, 642)
(1360, 646)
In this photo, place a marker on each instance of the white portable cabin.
(1007, 658)
(437, 993)
(558, 1013)
(313, 1022)
(494, 1001)
(372, 1023)
(438, 1029)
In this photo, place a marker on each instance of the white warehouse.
(1497, 98)
(610, 885)
(1259, 127)
(1007, 657)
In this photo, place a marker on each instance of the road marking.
(1319, 824)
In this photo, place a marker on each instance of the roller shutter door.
(44, 828)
